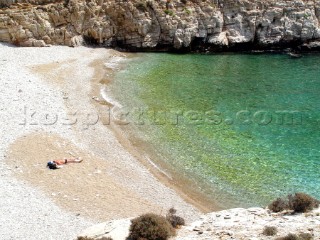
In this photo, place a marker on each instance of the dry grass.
(299, 202)
(269, 231)
(278, 205)
(176, 221)
(150, 226)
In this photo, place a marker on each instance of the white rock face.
(136, 24)
(237, 223)
(118, 229)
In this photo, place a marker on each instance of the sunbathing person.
(55, 164)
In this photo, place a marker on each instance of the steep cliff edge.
(205, 25)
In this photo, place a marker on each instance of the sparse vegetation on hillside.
(169, 12)
(299, 202)
(290, 236)
(269, 231)
(175, 221)
(301, 236)
(278, 205)
(187, 11)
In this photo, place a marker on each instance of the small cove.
(232, 124)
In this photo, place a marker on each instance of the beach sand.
(51, 109)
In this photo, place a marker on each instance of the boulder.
(117, 230)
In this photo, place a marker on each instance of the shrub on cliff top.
(269, 231)
(301, 202)
(150, 226)
(278, 205)
(175, 220)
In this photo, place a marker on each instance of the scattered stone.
(248, 225)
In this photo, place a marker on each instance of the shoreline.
(115, 181)
(161, 170)
(179, 183)
(57, 81)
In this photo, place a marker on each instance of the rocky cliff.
(205, 25)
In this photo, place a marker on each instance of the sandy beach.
(49, 98)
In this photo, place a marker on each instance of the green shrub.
(174, 220)
(278, 205)
(269, 231)
(168, 12)
(301, 202)
(151, 227)
(187, 11)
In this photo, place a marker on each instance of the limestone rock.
(159, 25)
(33, 43)
(4, 35)
(76, 41)
(237, 223)
(117, 230)
(219, 39)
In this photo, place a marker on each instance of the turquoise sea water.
(243, 128)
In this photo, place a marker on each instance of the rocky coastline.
(164, 25)
(236, 223)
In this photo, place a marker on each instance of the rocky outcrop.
(117, 229)
(205, 25)
(249, 223)
(237, 223)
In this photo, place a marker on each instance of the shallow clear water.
(245, 128)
